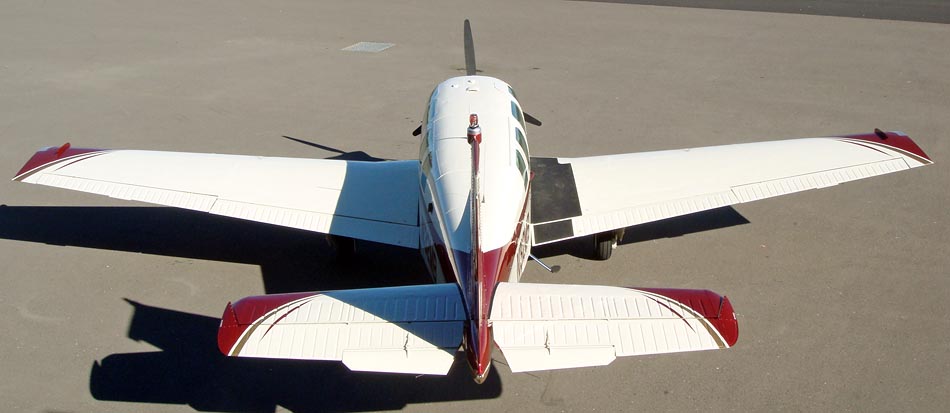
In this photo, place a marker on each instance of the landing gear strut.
(605, 242)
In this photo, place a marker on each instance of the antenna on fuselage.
(469, 50)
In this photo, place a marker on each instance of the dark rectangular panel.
(553, 191)
(551, 231)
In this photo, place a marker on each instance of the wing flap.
(375, 201)
(659, 185)
(547, 326)
(412, 329)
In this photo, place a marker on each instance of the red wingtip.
(726, 323)
(230, 330)
(240, 315)
(714, 307)
(895, 140)
(49, 155)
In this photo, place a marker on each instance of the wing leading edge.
(574, 197)
(375, 201)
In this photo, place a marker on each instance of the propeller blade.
(469, 50)
(418, 131)
(531, 119)
(343, 155)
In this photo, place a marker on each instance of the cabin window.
(424, 146)
(427, 165)
(516, 112)
(522, 166)
(430, 111)
(519, 136)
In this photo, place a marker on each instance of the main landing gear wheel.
(344, 247)
(604, 244)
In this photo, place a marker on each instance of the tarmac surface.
(109, 306)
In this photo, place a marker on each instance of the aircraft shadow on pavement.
(190, 370)
(290, 260)
(668, 228)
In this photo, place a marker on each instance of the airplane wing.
(375, 201)
(573, 197)
(553, 326)
(412, 329)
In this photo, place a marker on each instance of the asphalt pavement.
(110, 306)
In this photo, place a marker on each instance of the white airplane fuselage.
(480, 245)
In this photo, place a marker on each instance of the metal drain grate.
(367, 47)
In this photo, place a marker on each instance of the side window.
(516, 112)
(519, 136)
(427, 165)
(522, 166)
(512, 91)
(430, 112)
(424, 146)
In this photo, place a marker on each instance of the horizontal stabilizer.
(412, 329)
(552, 326)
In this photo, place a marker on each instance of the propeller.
(469, 50)
(471, 70)
(531, 119)
(343, 155)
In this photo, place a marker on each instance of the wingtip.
(895, 140)
(229, 331)
(47, 156)
(726, 323)
(715, 308)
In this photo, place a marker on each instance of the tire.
(604, 245)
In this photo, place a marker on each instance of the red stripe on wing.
(242, 314)
(893, 139)
(711, 306)
(52, 154)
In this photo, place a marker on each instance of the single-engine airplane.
(474, 204)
